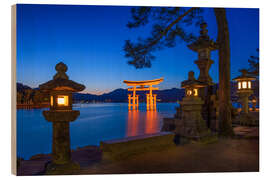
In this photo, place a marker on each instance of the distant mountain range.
(21, 87)
(120, 95)
(117, 95)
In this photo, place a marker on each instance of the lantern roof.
(192, 82)
(204, 41)
(244, 76)
(61, 81)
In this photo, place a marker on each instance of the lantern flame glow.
(249, 85)
(51, 100)
(195, 92)
(62, 100)
(189, 92)
(244, 84)
(239, 85)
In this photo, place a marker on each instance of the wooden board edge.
(13, 91)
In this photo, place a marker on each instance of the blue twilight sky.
(90, 40)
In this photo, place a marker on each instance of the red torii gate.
(150, 98)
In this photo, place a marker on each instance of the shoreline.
(32, 106)
(40, 106)
(36, 164)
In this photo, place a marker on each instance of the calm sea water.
(97, 122)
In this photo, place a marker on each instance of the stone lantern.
(203, 47)
(244, 89)
(191, 123)
(61, 114)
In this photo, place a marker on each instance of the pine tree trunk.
(223, 40)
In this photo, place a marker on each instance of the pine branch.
(164, 33)
(140, 53)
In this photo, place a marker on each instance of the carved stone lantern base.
(247, 119)
(243, 97)
(62, 169)
(191, 124)
(61, 153)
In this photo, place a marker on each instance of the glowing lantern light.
(244, 84)
(189, 92)
(195, 92)
(192, 85)
(244, 81)
(62, 100)
(244, 88)
(239, 85)
(51, 100)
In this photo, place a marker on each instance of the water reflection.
(151, 123)
(97, 122)
(139, 123)
(132, 124)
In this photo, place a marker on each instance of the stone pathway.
(227, 155)
(246, 132)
